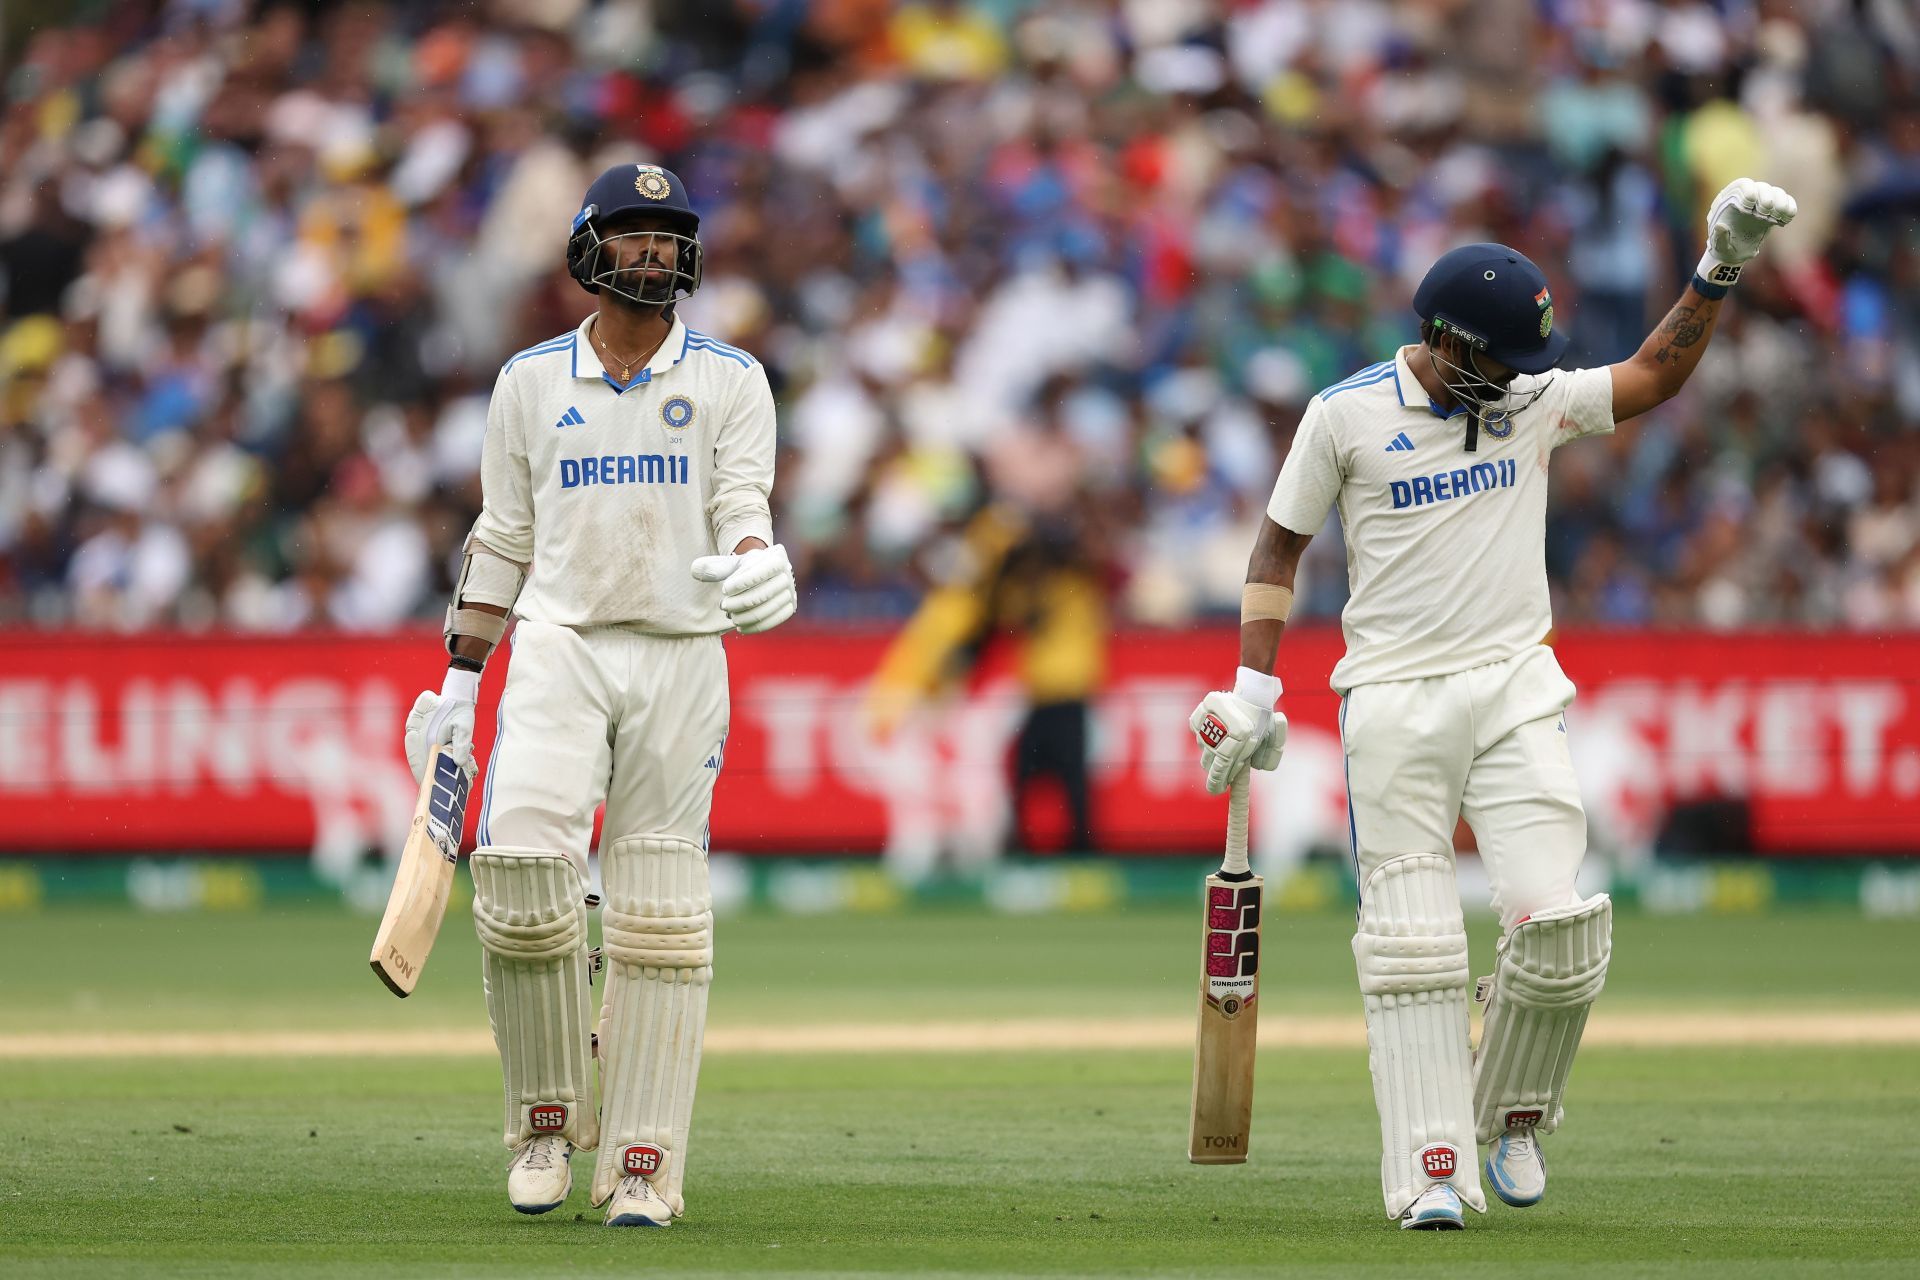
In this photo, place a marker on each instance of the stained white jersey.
(610, 492)
(1446, 550)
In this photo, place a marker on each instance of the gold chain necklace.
(626, 366)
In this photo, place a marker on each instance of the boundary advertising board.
(115, 744)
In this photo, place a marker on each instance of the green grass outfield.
(974, 1160)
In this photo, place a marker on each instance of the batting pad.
(532, 923)
(1411, 950)
(1551, 968)
(657, 937)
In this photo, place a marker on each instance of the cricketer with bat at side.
(626, 473)
(1452, 705)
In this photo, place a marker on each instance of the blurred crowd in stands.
(1089, 259)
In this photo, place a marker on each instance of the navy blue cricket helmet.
(1495, 301)
(624, 194)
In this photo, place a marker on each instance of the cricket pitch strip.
(1627, 1028)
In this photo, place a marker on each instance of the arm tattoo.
(1683, 327)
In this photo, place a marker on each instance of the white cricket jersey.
(610, 492)
(1446, 550)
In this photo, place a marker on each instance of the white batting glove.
(1737, 225)
(444, 719)
(757, 590)
(1266, 757)
(1239, 730)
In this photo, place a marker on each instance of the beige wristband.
(475, 622)
(1265, 601)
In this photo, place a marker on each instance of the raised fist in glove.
(1236, 732)
(444, 719)
(756, 587)
(1737, 224)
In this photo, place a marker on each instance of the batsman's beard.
(631, 283)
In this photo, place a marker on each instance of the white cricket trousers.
(597, 714)
(1488, 744)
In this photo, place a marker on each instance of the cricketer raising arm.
(626, 476)
(1451, 703)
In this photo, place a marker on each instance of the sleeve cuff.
(730, 537)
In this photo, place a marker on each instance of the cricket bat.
(419, 899)
(1229, 994)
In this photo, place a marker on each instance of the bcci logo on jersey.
(677, 413)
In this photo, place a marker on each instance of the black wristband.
(460, 662)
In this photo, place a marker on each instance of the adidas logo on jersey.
(1400, 444)
(571, 418)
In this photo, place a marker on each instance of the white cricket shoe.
(1516, 1168)
(541, 1174)
(1437, 1209)
(635, 1203)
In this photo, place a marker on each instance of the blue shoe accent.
(638, 1210)
(1440, 1213)
(1503, 1185)
(538, 1208)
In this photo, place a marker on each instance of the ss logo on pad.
(1438, 1160)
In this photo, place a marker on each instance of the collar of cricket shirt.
(1412, 394)
(588, 364)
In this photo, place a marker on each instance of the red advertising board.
(111, 744)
